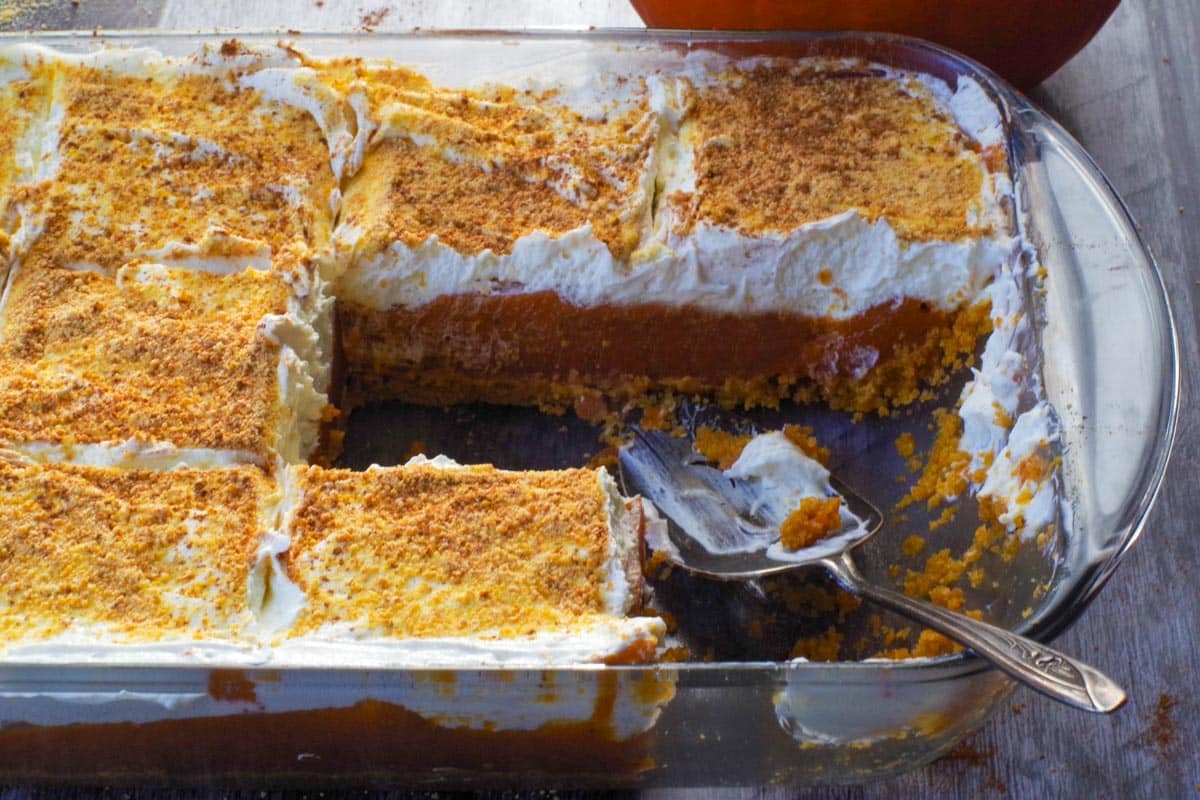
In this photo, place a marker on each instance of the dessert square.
(455, 563)
(215, 161)
(161, 366)
(97, 558)
(489, 204)
(766, 148)
(492, 189)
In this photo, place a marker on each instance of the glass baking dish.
(1108, 364)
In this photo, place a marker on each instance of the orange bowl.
(1025, 41)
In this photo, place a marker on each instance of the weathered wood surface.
(1133, 99)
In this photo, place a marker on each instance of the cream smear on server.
(770, 479)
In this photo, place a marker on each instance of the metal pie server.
(695, 497)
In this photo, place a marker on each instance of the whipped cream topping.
(343, 646)
(218, 252)
(714, 268)
(974, 110)
(305, 339)
(135, 454)
(1028, 494)
(32, 159)
(300, 87)
(989, 402)
(862, 264)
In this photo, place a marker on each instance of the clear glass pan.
(1109, 366)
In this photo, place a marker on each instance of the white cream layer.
(717, 269)
(1030, 504)
(134, 454)
(304, 336)
(33, 159)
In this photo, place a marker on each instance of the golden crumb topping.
(481, 169)
(176, 158)
(421, 551)
(157, 355)
(130, 556)
(777, 147)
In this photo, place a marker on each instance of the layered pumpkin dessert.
(203, 256)
(753, 232)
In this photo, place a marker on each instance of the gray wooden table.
(1132, 97)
